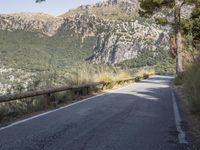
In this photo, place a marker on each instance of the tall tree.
(149, 7)
(178, 35)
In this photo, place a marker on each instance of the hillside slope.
(121, 34)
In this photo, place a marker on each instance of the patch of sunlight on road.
(140, 94)
(145, 96)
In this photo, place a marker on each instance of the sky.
(52, 7)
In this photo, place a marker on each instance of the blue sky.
(52, 7)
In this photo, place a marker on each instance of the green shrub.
(159, 59)
(137, 79)
(3, 112)
(161, 21)
(150, 5)
(145, 76)
(178, 80)
(192, 86)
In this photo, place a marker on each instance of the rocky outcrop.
(129, 7)
(109, 9)
(127, 40)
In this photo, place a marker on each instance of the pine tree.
(149, 6)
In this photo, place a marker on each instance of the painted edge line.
(55, 110)
(69, 105)
(49, 112)
(177, 116)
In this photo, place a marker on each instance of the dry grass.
(144, 71)
(191, 84)
(192, 119)
(78, 75)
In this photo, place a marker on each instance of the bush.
(145, 76)
(192, 86)
(150, 5)
(161, 21)
(178, 80)
(3, 112)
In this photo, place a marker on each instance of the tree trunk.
(179, 43)
(179, 58)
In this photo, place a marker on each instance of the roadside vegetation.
(191, 80)
(79, 74)
(191, 83)
(190, 29)
(36, 52)
(159, 59)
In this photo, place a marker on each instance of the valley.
(38, 43)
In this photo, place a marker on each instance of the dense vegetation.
(159, 59)
(191, 27)
(149, 6)
(192, 86)
(191, 33)
(79, 74)
(37, 52)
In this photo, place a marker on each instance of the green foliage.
(187, 25)
(161, 21)
(191, 27)
(178, 80)
(192, 86)
(3, 113)
(150, 5)
(167, 66)
(196, 28)
(36, 52)
(160, 59)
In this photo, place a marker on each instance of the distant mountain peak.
(108, 9)
(118, 2)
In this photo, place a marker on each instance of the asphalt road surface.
(141, 116)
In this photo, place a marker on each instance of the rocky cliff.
(127, 40)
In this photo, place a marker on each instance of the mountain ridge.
(121, 35)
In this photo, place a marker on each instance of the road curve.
(137, 117)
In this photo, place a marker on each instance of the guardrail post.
(137, 79)
(47, 98)
(84, 91)
(73, 94)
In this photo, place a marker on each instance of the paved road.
(137, 117)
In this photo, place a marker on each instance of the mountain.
(109, 32)
(121, 33)
(109, 9)
(34, 22)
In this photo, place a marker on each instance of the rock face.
(110, 9)
(127, 40)
(120, 33)
(117, 40)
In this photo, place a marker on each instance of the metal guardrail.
(48, 92)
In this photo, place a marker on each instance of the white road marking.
(48, 112)
(181, 133)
